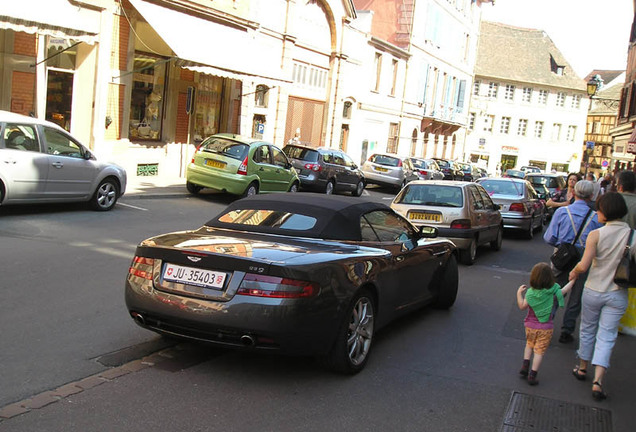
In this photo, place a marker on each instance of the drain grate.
(534, 413)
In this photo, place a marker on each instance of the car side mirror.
(428, 232)
(88, 155)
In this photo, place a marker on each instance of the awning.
(59, 19)
(631, 143)
(214, 48)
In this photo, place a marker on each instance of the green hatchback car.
(240, 166)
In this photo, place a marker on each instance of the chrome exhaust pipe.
(139, 318)
(248, 340)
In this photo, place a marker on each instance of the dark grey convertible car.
(302, 273)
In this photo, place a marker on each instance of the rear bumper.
(516, 221)
(461, 237)
(375, 178)
(221, 181)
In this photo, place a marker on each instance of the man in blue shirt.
(560, 231)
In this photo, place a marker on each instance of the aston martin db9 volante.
(300, 273)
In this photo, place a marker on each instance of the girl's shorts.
(538, 339)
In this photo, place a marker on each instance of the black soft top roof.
(338, 217)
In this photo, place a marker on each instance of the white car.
(42, 163)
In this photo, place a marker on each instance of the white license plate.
(194, 276)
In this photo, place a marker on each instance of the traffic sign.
(605, 164)
(589, 144)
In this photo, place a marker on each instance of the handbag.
(625, 275)
(567, 255)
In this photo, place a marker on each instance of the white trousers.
(600, 316)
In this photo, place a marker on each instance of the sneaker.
(524, 369)
(566, 338)
(532, 378)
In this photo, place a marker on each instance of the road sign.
(605, 164)
(589, 144)
(260, 128)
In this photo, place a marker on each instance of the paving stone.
(135, 366)
(41, 400)
(90, 382)
(12, 410)
(67, 390)
(114, 373)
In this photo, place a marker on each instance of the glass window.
(432, 195)
(261, 155)
(279, 157)
(338, 159)
(510, 92)
(233, 149)
(560, 101)
(523, 126)
(304, 154)
(527, 94)
(260, 96)
(389, 227)
(478, 203)
(20, 137)
(538, 129)
(493, 87)
(60, 144)
(147, 98)
(505, 125)
(543, 97)
(207, 108)
(348, 161)
(269, 218)
(476, 86)
(385, 160)
(488, 204)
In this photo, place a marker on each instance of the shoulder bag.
(625, 275)
(567, 255)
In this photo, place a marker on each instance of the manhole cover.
(534, 413)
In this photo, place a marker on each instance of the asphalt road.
(63, 321)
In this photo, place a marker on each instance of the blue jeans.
(573, 308)
(600, 317)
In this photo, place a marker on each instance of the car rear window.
(269, 218)
(385, 160)
(432, 195)
(498, 187)
(304, 154)
(225, 147)
(550, 182)
(442, 163)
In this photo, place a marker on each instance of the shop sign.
(146, 170)
(510, 149)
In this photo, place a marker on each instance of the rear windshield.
(442, 163)
(385, 160)
(498, 187)
(304, 154)
(269, 218)
(550, 182)
(432, 195)
(225, 147)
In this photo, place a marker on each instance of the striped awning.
(57, 18)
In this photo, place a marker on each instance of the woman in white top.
(604, 302)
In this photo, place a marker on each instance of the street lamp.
(592, 87)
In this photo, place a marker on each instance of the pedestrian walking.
(563, 228)
(597, 186)
(541, 300)
(604, 302)
(565, 197)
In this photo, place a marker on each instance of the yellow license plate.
(381, 169)
(214, 163)
(429, 217)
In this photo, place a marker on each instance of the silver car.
(427, 169)
(521, 207)
(389, 170)
(461, 211)
(42, 163)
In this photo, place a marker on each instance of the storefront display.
(147, 99)
(207, 113)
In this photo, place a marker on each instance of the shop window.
(346, 110)
(148, 96)
(260, 96)
(60, 64)
(207, 114)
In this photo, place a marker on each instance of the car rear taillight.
(517, 207)
(423, 172)
(195, 153)
(313, 167)
(276, 287)
(460, 224)
(142, 267)
(242, 169)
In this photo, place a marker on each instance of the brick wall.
(24, 44)
(186, 75)
(22, 92)
(181, 132)
(119, 45)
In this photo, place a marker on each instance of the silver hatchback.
(42, 163)
(389, 170)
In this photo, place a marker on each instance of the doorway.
(59, 98)
(508, 162)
